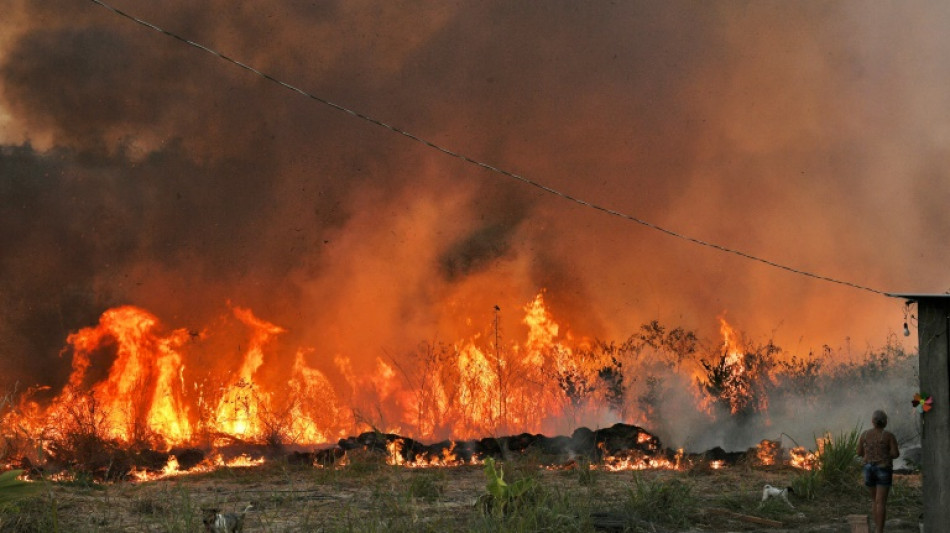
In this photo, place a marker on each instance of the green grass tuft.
(836, 469)
(427, 486)
(670, 502)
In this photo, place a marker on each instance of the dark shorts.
(876, 476)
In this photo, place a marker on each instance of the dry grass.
(371, 496)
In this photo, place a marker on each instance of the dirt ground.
(377, 497)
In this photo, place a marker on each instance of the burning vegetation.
(144, 400)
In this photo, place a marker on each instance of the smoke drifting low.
(137, 170)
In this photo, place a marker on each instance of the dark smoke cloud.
(476, 251)
(139, 170)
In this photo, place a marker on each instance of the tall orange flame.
(142, 396)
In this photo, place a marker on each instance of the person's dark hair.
(879, 419)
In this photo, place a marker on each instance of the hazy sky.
(138, 170)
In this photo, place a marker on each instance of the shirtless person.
(879, 449)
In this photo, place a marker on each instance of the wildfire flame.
(768, 452)
(171, 468)
(155, 393)
(634, 461)
(138, 383)
(447, 457)
(142, 396)
(802, 458)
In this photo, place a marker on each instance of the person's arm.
(895, 451)
(861, 446)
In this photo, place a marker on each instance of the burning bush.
(739, 381)
(81, 442)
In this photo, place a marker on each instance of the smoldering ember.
(145, 401)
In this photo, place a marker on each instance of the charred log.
(619, 440)
(150, 460)
(189, 458)
(327, 457)
(302, 458)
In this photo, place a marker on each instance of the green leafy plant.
(503, 497)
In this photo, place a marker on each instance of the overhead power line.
(486, 166)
